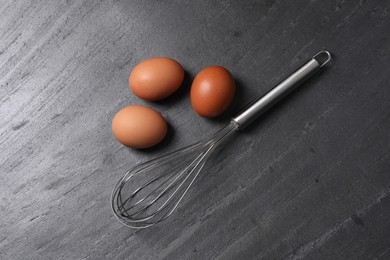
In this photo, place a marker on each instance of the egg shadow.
(160, 146)
(239, 101)
(178, 95)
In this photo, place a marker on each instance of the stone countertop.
(309, 180)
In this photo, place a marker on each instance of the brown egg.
(139, 127)
(212, 91)
(156, 78)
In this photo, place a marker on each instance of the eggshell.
(139, 127)
(212, 91)
(156, 78)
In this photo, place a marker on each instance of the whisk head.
(150, 192)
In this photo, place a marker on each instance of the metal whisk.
(151, 191)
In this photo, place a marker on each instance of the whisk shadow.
(269, 115)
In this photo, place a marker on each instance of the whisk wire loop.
(164, 190)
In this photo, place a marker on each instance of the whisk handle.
(262, 104)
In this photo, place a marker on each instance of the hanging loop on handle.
(323, 58)
(282, 89)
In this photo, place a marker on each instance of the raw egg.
(212, 91)
(139, 127)
(156, 78)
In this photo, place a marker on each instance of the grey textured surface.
(310, 180)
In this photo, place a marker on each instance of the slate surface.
(310, 180)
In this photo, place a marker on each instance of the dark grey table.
(310, 180)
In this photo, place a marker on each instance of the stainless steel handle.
(282, 89)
